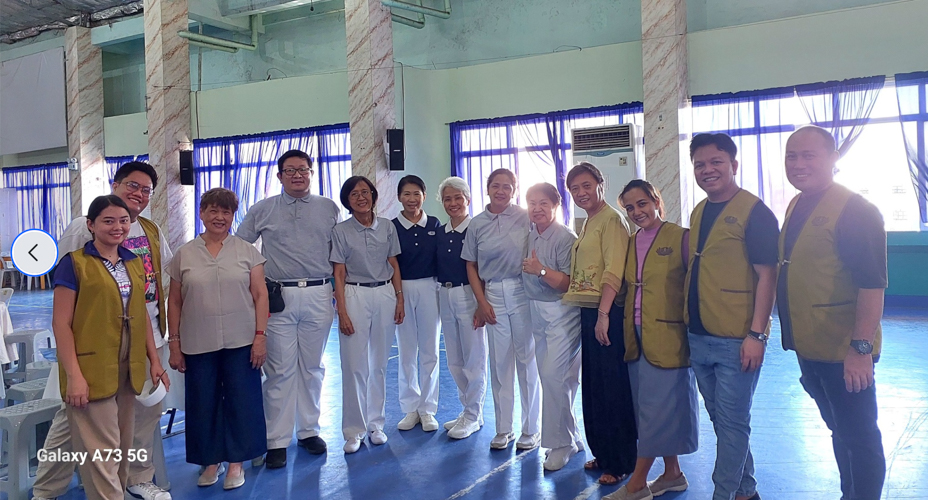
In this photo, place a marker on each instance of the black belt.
(449, 284)
(370, 285)
(303, 283)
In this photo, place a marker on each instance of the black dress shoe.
(276, 458)
(314, 445)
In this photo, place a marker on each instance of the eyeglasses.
(357, 194)
(291, 172)
(135, 186)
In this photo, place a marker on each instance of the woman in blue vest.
(496, 243)
(656, 346)
(368, 289)
(417, 337)
(465, 342)
(103, 334)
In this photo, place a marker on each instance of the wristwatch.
(862, 347)
(760, 337)
(543, 272)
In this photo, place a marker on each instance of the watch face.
(543, 272)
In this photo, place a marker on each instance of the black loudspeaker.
(397, 151)
(186, 168)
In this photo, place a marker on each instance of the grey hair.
(454, 183)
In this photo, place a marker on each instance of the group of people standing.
(645, 315)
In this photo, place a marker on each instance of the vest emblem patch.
(731, 219)
(664, 251)
(820, 221)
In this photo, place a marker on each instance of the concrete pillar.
(84, 81)
(167, 72)
(371, 95)
(663, 47)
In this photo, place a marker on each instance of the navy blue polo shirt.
(451, 267)
(417, 243)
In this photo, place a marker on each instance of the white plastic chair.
(5, 295)
(8, 268)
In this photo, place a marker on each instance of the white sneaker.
(148, 491)
(464, 428)
(429, 424)
(378, 437)
(451, 423)
(558, 457)
(409, 421)
(42, 498)
(352, 445)
(528, 441)
(502, 440)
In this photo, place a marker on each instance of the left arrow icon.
(30, 252)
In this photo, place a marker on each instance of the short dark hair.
(721, 141)
(830, 143)
(547, 190)
(649, 190)
(293, 153)
(502, 171)
(220, 197)
(584, 168)
(101, 203)
(349, 186)
(136, 166)
(410, 179)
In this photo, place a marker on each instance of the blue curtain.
(247, 164)
(112, 163)
(535, 147)
(913, 116)
(841, 107)
(43, 193)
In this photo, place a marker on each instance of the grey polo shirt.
(296, 235)
(219, 310)
(498, 243)
(553, 248)
(365, 250)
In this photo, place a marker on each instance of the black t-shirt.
(861, 243)
(761, 236)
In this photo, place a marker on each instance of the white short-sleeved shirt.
(219, 310)
(365, 250)
(498, 243)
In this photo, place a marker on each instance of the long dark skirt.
(608, 409)
(225, 410)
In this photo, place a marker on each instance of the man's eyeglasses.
(290, 172)
(135, 186)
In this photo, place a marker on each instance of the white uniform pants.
(296, 339)
(556, 329)
(416, 338)
(465, 348)
(512, 349)
(364, 357)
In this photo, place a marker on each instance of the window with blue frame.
(535, 147)
(112, 163)
(43, 194)
(911, 90)
(247, 165)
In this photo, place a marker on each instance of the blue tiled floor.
(792, 447)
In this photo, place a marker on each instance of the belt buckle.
(448, 284)
(301, 284)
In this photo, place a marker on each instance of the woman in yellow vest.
(656, 346)
(104, 334)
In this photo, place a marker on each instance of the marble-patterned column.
(84, 81)
(663, 47)
(371, 95)
(167, 71)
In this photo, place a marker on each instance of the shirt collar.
(511, 209)
(548, 232)
(461, 227)
(202, 242)
(407, 224)
(123, 252)
(289, 200)
(361, 227)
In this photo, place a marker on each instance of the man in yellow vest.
(134, 183)
(830, 301)
(730, 288)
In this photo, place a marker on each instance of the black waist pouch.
(275, 297)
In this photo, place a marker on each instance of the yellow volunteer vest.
(820, 290)
(98, 322)
(727, 282)
(154, 243)
(663, 332)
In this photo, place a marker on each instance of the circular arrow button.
(34, 252)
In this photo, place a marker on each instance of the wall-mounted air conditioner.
(612, 150)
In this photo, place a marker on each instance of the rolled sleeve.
(469, 251)
(564, 251)
(247, 229)
(614, 247)
(173, 269)
(340, 249)
(254, 257)
(861, 237)
(64, 273)
(394, 241)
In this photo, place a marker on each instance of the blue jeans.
(728, 393)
